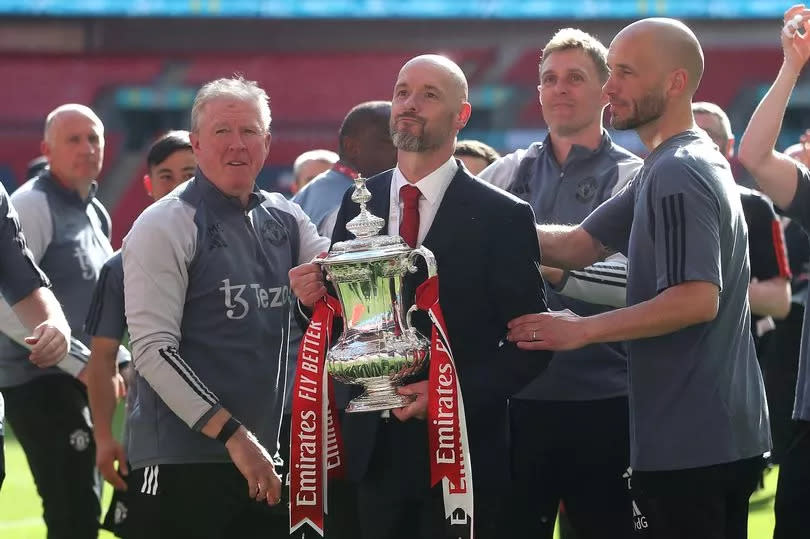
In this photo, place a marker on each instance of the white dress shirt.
(432, 187)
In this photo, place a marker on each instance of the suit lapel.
(452, 210)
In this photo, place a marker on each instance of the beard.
(647, 109)
(409, 142)
(427, 140)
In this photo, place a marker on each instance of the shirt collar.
(579, 152)
(434, 184)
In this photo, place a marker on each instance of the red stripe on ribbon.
(315, 442)
(447, 425)
(779, 249)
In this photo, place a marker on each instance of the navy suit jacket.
(488, 261)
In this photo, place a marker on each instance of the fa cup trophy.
(378, 347)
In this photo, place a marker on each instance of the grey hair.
(235, 87)
(325, 156)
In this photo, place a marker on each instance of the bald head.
(455, 76)
(73, 143)
(70, 111)
(672, 43)
(429, 106)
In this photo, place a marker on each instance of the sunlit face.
(74, 146)
(231, 144)
(570, 91)
(427, 110)
(171, 172)
(635, 88)
(712, 126)
(310, 169)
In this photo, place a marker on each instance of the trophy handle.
(427, 254)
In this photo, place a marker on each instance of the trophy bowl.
(378, 347)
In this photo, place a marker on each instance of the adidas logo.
(628, 474)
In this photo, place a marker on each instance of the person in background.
(67, 230)
(787, 182)
(569, 426)
(769, 290)
(475, 155)
(170, 162)
(310, 164)
(365, 150)
(25, 289)
(35, 166)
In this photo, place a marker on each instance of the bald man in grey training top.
(698, 419)
(67, 230)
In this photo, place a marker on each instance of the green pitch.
(21, 512)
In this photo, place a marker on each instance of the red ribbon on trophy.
(313, 418)
(313, 415)
(447, 425)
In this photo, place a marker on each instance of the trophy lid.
(365, 250)
(368, 244)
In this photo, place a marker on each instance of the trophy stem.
(379, 394)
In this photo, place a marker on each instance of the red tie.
(409, 227)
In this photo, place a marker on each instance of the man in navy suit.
(486, 248)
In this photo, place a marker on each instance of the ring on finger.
(534, 335)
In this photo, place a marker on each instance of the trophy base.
(380, 394)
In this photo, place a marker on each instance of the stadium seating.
(43, 82)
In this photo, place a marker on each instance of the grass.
(760, 509)
(21, 512)
(20, 506)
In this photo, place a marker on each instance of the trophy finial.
(365, 224)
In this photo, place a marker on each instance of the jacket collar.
(71, 196)
(213, 195)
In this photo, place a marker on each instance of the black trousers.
(793, 489)
(577, 453)
(710, 502)
(51, 419)
(198, 501)
(779, 358)
(395, 500)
